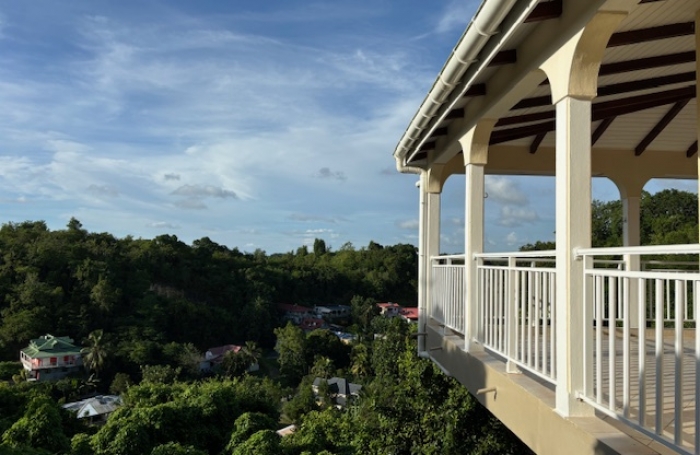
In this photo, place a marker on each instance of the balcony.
(639, 343)
(67, 361)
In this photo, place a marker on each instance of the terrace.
(592, 349)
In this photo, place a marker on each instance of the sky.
(261, 125)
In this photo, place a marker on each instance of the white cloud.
(191, 204)
(202, 191)
(327, 173)
(408, 224)
(504, 190)
(512, 239)
(456, 16)
(102, 191)
(162, 225)
(314, 218)
(516, 216)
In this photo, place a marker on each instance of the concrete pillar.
(475, 145)
(697, 69)
(631, 217)
(428, 246)
(573, 75)
(573, 230)
(473, 244)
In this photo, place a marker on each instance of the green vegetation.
(145, 310)
(669, 217)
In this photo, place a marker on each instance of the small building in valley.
(50, 358)
(96, 409)
(341, 390)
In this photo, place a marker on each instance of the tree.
(246, 425)
(95, 355)
(252, 352)
(175, 448)
(361, 361)
(40, 427)
(265, 442)
(319, 247)
(323, 367)
(291, 347)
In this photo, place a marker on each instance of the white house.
(572, 89)
(96, 409)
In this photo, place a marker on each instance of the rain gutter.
(483, 28)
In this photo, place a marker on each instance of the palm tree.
(361, 365)
(252, 352)
(95, 355)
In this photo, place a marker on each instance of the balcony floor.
(546, 432)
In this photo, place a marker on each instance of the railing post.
(512, 315)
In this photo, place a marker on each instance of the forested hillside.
(151, 297)
(668, 217)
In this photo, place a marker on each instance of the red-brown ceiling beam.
(652, 99)
(476, 90)
(600, 130)
(616, 89)
(455, 113)
(427, 146)
(536, 143)
(643, 35)
(600, 111)
(692, 150)
(419, 156)
(507, 57)
(660, 127)
(646, 63)
(545, 11)
(439, 132)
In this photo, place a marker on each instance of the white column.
(473, 244)
(573, 230)
(428, 246)
(631, 237)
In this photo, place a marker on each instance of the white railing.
(516, 305)
(642, 346)
(447, 291)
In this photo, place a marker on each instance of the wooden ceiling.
(647, 83)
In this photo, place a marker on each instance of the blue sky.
(257, 124)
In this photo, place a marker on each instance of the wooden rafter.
(476, 90)
(442, 131)
(427, 146)
(660, 127)
(506, 57)
(652, 99)
(600, 111)
(692, 150)
(455, 113)
(545, 11)
(600, 130)
(643, 35)
(536, 143)
(616, 89)
(658, 61)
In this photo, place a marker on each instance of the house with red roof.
(293, 312)
(389, 309)
(409, 314)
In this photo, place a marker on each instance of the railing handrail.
(449, 256)
(517, 254)
(639, 250)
